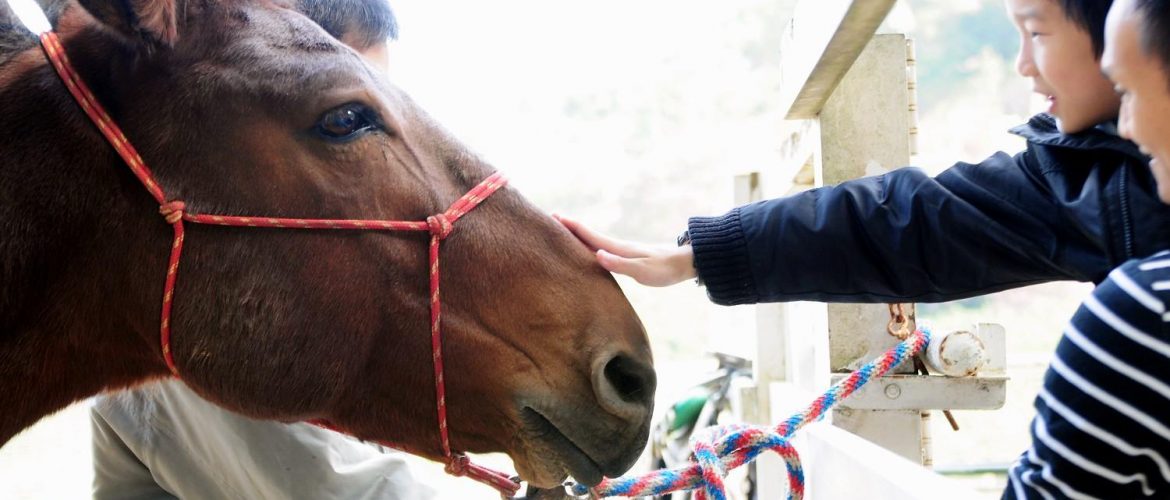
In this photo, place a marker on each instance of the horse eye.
(345, 122)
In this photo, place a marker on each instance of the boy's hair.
(1155, 29)
(1090, 15)
(368, 22)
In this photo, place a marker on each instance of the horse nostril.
(619, 371)
(626, 385)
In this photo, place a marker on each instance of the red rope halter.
(174, 211)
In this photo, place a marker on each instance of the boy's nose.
(1024, 65)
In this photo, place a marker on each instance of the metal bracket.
(986, 390)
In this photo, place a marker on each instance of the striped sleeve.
(1102, 425)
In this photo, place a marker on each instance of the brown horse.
(236, 105)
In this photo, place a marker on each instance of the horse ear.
(150, 21)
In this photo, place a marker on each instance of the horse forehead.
(283, 51)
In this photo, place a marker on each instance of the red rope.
(174, 211)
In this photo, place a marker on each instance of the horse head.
(247, 107)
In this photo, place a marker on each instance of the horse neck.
(78, 295)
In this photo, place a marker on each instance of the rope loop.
(712, 471)
(172, 211)
(457, 465)
(722, 448)
(440, 225)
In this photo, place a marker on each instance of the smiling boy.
(1138, 61)
(1058, 40)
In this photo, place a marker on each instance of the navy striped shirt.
(1102, 426)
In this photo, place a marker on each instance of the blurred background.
(633, 116)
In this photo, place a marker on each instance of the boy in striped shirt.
(1102, 428)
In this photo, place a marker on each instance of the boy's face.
(1144, 84)
(1057, 54)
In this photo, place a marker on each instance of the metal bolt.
(893, 391)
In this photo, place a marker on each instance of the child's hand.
(647, 264)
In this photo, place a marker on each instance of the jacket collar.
(1041, 129)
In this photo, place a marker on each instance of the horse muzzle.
(595, 439)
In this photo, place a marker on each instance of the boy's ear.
(154, 22)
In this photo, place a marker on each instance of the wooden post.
(865, 130)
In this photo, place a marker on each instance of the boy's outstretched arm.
(1049, 213)
(1006, 222)
(649, 265)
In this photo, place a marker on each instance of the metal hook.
(901, 324)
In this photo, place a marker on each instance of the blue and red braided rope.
(720, 449)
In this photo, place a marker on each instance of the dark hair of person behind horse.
(372, 21)
(1155, 29)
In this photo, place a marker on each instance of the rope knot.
(172, 211)
(457, 465)
(711, 471)
(440, 225)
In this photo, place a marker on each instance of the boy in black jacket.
(1066, 208)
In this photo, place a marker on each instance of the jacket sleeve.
(904, 236)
